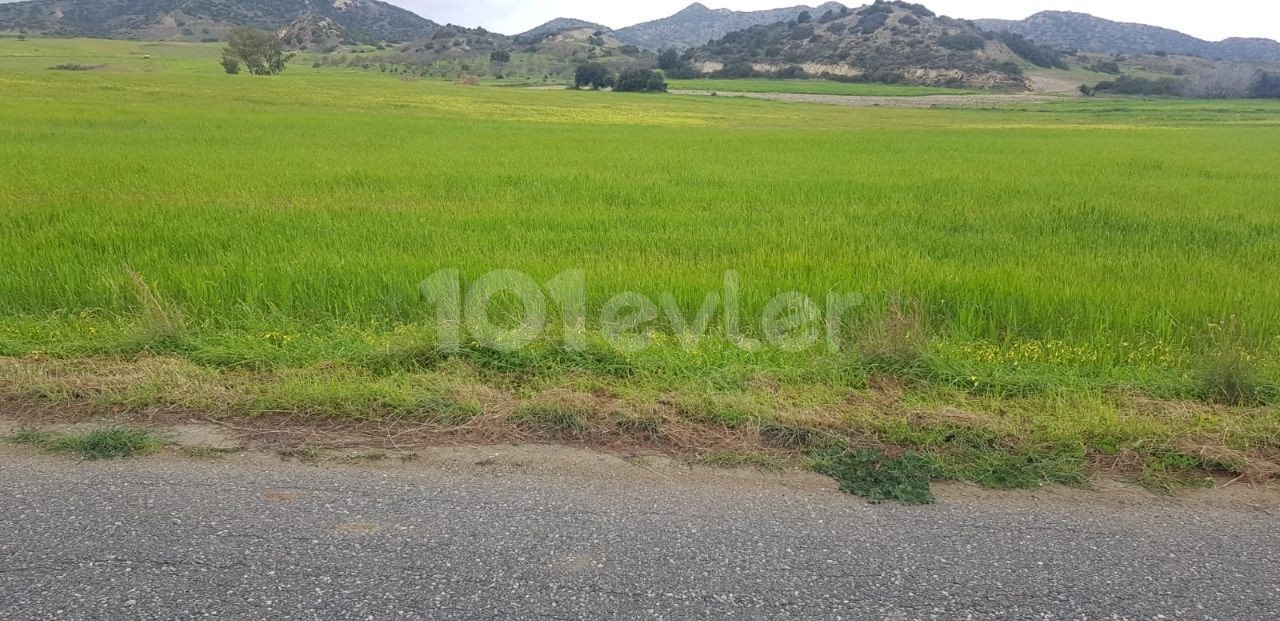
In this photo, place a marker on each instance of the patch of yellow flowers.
(1056, 352)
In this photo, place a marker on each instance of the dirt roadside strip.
(213, 443)
(858, 101)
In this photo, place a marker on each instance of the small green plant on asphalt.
(111, 443)
(878, 477)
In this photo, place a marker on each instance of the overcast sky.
(1208, 20)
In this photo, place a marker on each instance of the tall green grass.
(289, 221)
(812, 87)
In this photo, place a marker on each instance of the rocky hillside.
(362, 21)
(883, 42)
(563, 24)
(570, 44)
(698, 24)
(1087, 33)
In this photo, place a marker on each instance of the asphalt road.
(499, 538)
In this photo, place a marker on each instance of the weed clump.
(895, 342)
(1230, 374)
(159, 323)
(111, 443)
(878, 477)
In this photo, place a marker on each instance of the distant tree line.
(1227, 82)
(596, 76)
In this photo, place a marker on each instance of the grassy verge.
(902, 431)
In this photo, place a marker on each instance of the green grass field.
(813, 87)
(1061, 253)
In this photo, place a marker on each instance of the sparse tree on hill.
(259, 51)
(500, 57)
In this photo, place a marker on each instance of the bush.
(1125, 85)
(737, 70)
(230, 64)
(962, 42)
(793, 72)
(640, 81)
(871, 21)
(1037, 55)
(1109, 66)
(592, 75)
(500, 56)
(1009, 67)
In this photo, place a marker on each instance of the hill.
(360, 21)
(883, 42)
(1085, 32)
(562, 24)
(697, 24)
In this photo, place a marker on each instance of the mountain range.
(374, 21)
(1080, 31)
(359, 21)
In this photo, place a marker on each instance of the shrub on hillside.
(1009, 67)
(1037, 55)
(871, 21)
(962, 42)
(640, 81)
(1109, 66)
(737, 70)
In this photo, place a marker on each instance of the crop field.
(1073, 275)
(813, 87)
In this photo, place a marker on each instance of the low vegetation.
(1007, 332)
(110, 443)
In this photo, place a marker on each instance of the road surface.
(518, 534)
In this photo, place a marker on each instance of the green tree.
(640, 81)
(669, 60)
(593, 76)
(500, 57)
(1268, 86)
(259, 51)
